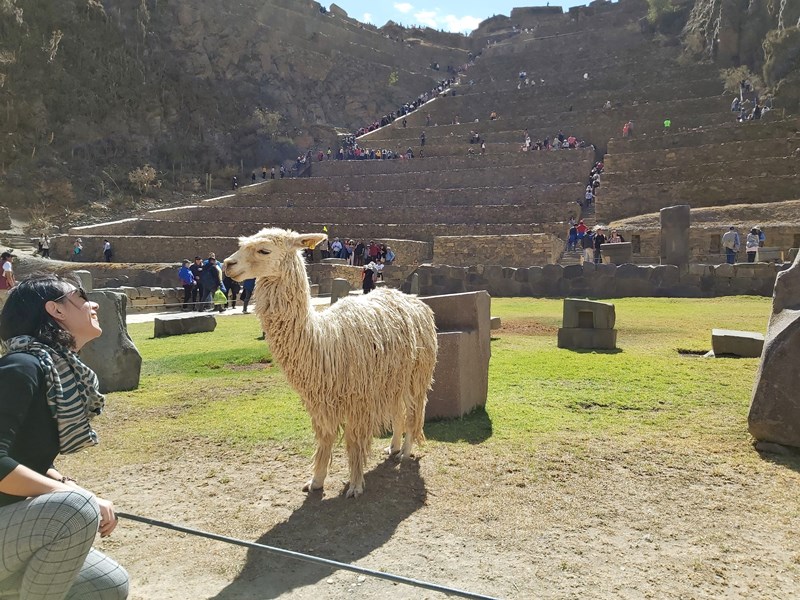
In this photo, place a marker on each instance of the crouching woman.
(47, 396)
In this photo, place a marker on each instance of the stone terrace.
(706, 159)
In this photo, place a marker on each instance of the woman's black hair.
(24, 311)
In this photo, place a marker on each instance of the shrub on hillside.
(142, 178)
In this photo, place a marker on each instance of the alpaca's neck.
(284, 308)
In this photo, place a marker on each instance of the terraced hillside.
(453, 187)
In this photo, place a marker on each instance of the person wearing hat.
(7, 280)
(187, 281)
(751, 244)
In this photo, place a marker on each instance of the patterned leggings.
(47, 554)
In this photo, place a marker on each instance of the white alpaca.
(365, 364)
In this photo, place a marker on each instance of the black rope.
(308, 558)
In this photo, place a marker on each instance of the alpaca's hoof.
(310, 486)
(389, 451)
(354, 491)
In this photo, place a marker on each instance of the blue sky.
(451, 15)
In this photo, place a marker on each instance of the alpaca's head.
(266, 253)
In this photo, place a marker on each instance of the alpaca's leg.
(415, 418)
(415, 400)
(322, 458)
(398, 426)
(358, 441)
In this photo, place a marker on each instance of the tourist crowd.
(207, 288)
(356, 253)
(444, 86)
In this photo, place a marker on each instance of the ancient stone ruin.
(774, 409)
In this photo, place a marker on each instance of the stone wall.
(158, 249)
(601, 281)
(471, 175)
(705, 242)
(510, 250)
(323, 274)
(620, 202)
(5, 218)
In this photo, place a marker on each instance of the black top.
(28, 432)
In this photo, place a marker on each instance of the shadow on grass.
(778, 454)
(474, 428)
(337, 528)
(593, 350)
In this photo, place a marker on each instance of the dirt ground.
(588, 519)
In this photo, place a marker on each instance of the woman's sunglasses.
(79, 290)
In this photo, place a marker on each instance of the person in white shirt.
(7, 280)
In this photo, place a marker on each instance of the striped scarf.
(72, 391)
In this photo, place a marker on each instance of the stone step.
(341, 168)
(764, 129)
(173, 248)
(161, 222)
(774, 166)
(619, 202)
(519, 194)
(570, 169)
(703, 154)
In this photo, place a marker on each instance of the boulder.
(774, 409)
(495, 323)
(182, 324)
(113, 356)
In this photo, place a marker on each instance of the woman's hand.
(108, 520)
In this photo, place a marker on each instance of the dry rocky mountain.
(91, 90)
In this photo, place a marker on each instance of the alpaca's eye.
(263, 251)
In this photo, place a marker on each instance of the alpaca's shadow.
(338, 528)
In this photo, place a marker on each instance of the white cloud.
(367, 18)
(403, 7)
(427, 17)
(432, 18)
(460, 24)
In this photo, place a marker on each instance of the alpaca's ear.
(309, 240)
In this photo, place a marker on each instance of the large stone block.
(769, 255)
(587, 324)
(463, 322)
(339, 289)
(182, 324)
(588, 314)
(587, 339)
(744, 344)
(675, 221)
(113, 356)
(774, 409)
(617, 254)
(85, 278)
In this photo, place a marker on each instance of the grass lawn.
(223, 385)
